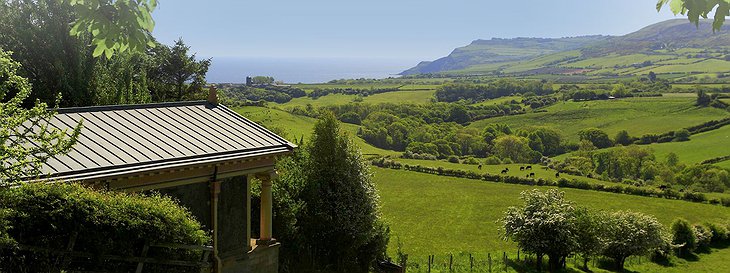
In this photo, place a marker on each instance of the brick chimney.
(213, 95)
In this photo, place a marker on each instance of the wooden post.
(471, 262)
(429, 263)
(518, 254)
(451, 262)
(489, 257)
(140, 265)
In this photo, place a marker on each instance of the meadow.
(437, 215)
(638, 116)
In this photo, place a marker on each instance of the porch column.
(266, 208)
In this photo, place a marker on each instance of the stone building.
(199, 152)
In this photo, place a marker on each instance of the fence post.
(429, 263)
(489, 257)
(518, 254)
(140, 265)
(451, 262)
(471, 262)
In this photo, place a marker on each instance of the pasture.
(409, 96)
(297, 127)
(432, 214)
(638, 116)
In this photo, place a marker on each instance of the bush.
(719, 232)
(470, 161)
(453, 159)
(683, 235)
(507, 161)
(704, 236)
(493, 160)
(46, 215)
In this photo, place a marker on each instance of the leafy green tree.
(672, 159)
(681, 135)
(340, 222)
(515, 148)
(694, 9)
(683, 235)
(27, 141)
(596, 136)
(652, 76)
(121, 79)
(173, 69)
(627, 233)
(587, 231)
(544, 225)
(703, 99)
(115, 25)
(623, 138)
(620, 91)
(36, 31)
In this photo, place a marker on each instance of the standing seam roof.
(126, 136)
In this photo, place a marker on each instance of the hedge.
(562, 182)
(106, 223)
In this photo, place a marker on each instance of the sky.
(384, 29)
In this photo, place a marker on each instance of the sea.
(304, 70)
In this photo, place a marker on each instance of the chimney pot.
(213, 95)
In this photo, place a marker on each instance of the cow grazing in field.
(528, 168)
(504, 171)
(532, 174)
(557, 174)
(480, 167)
(663, 187)
(522, 168)
(527, 175)
(590, 175)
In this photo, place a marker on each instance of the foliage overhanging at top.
(116, 25)
(26, 139)
(694, 9)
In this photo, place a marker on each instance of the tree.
(340, 226)
(623, 138)
(176, 73)
(703, 99)
(694, 9)
(683, 235)
(36, 31)
(515, 148)
(681, 135)
(652, 76)
(672, 159)
(596, 136)
(587, 232)
(115, 25)
(27, 141)
(544, 225)
(627, 233)
(620, 91)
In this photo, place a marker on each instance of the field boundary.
(695, 197)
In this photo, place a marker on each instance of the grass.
(514, 169)
(702, 146)
(724, 164)
(411, 96)
(432, 214)
(638, 116)
(297, 127)
(501, 100)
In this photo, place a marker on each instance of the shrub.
(681, 135)
(719, 232)
(493, 160)
(113, 223)
(683, 235)
(453, 159)
(704, 236)
(470, 161)
(507, 161)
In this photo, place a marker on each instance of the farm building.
(201, 153)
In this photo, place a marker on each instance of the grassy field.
(411, 96)
(296, 127)
(438, 215)
(638, 116)
(702, 146)
(514, 169)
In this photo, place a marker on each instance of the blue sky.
(381, 29)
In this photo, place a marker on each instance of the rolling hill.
(673, 48)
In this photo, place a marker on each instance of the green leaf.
(98, 50)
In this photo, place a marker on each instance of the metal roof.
(135, 138)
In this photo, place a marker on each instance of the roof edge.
(129, 106)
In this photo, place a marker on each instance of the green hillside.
(672, 49)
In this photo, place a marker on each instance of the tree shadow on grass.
(528, 266)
